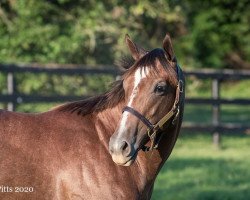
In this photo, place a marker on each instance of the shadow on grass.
(203, 179)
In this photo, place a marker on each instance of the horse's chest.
(91, 184)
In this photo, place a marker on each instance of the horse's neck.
(105, 123)
(108, 119)
(147, 164)
(151, 162)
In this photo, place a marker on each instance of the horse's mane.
(117, 94)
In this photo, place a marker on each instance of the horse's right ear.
(168, 48)
(136, 52)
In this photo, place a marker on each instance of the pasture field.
(197, 170)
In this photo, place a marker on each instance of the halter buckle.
(176, 115)
(181, 86)
(152, 137)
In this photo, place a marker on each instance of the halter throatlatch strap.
(154, 129)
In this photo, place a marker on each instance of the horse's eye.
(160, 89)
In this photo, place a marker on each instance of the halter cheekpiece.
(154, 131)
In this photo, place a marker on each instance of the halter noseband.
(154, 129)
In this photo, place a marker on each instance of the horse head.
(152, 88)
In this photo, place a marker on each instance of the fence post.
(216, 111)
(11, 91)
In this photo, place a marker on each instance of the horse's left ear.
(168, 48)
(136, 52)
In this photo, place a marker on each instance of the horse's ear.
(168, 48)
(136, 52)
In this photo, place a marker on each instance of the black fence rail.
(14, 97)
(217, 77)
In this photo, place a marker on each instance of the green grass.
(35, 107)
(197, 170)
(228, 89)
(235, 114)
(229, 113)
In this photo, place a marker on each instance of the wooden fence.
(13, 97)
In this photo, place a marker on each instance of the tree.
(90, 32)
(219, 32)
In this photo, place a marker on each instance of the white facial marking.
(139, 75)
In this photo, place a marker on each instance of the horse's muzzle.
(122, 151)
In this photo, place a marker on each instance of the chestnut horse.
(79, 150)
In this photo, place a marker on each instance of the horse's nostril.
(119, 147)
(124, 146)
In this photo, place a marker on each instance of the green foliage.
(206, 33)
(219, 30)
(198, 171)
(79, 32)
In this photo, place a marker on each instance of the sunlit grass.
(229, 113)
(197, 170)
(235, 89)
(35, 107)
(228, 89)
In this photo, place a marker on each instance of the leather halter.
(154, 129)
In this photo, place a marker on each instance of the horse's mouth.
(129, 161)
